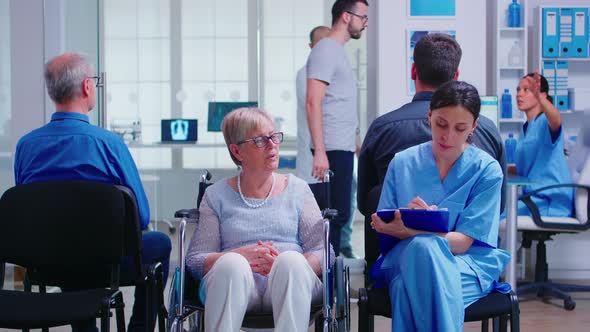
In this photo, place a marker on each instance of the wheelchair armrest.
(187, 214)
(329, 213)
(536, 215)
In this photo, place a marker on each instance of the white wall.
(392, 24)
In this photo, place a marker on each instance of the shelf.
(511, 120)
(512, 29)
(567, 59)
(513, 68)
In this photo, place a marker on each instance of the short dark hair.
(544, 85)
(312, 32)
(457, 93)
(341, 6)
(437, 57)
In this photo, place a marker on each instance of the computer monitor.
(489, 108)
(218, 110)
(178, 130)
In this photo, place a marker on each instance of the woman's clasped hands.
(260, 256)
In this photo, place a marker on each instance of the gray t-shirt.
(304, 156)
(328, 63)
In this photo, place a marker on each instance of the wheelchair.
(333, 314)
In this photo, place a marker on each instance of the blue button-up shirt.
(70, 148)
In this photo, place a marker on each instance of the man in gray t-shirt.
(304, 156)
(331, 107)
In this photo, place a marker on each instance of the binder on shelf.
(550, 34)
(580, 33)
(566, 22)
(561, 84)
(548, 71)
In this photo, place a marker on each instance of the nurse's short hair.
(457, 93)
(241, 122)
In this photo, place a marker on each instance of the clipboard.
(420, 219)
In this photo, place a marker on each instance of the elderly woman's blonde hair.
(239, 123)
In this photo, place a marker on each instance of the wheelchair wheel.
(342, 295)
(173, 301)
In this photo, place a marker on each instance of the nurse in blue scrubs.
(539, 152)
(432, 277)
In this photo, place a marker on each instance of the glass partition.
(6, 161)
(73, 26)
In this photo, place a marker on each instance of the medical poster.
(422, 8)
(413, 37)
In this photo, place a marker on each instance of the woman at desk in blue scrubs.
(539, 152)
(433, 277)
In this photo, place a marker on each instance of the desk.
(512, 184)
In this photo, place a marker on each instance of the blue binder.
(426, 220)
(561, 83)
(550, 32)
(548, 71)
(580, 33)
(566, 23)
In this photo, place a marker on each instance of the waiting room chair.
(184, 302)
(71, 234)
(376, 302)
(542, 228)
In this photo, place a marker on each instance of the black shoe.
(347, 252)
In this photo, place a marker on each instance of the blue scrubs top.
(541, 160)
(471, 192)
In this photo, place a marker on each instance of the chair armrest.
(536, 215)
(191, 214)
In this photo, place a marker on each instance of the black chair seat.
(492, 305)
(50, 309)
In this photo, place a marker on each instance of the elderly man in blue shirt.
(70, 148)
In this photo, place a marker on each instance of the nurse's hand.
(534, 84)
(419, 203)
(395, 227)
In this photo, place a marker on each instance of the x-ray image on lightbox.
(179, 130)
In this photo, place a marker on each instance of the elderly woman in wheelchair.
(258, 244)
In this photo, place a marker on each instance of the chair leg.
(120, 313)
(105, 313)
(504, 320)
(485, 325)
(319, 324)
(514, 323)
(496, 324)
(162, 313)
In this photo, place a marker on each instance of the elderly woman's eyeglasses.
(262, 141)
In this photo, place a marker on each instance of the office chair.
(542, 228)
(71, 234)
(184, 302)
(376, 301)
